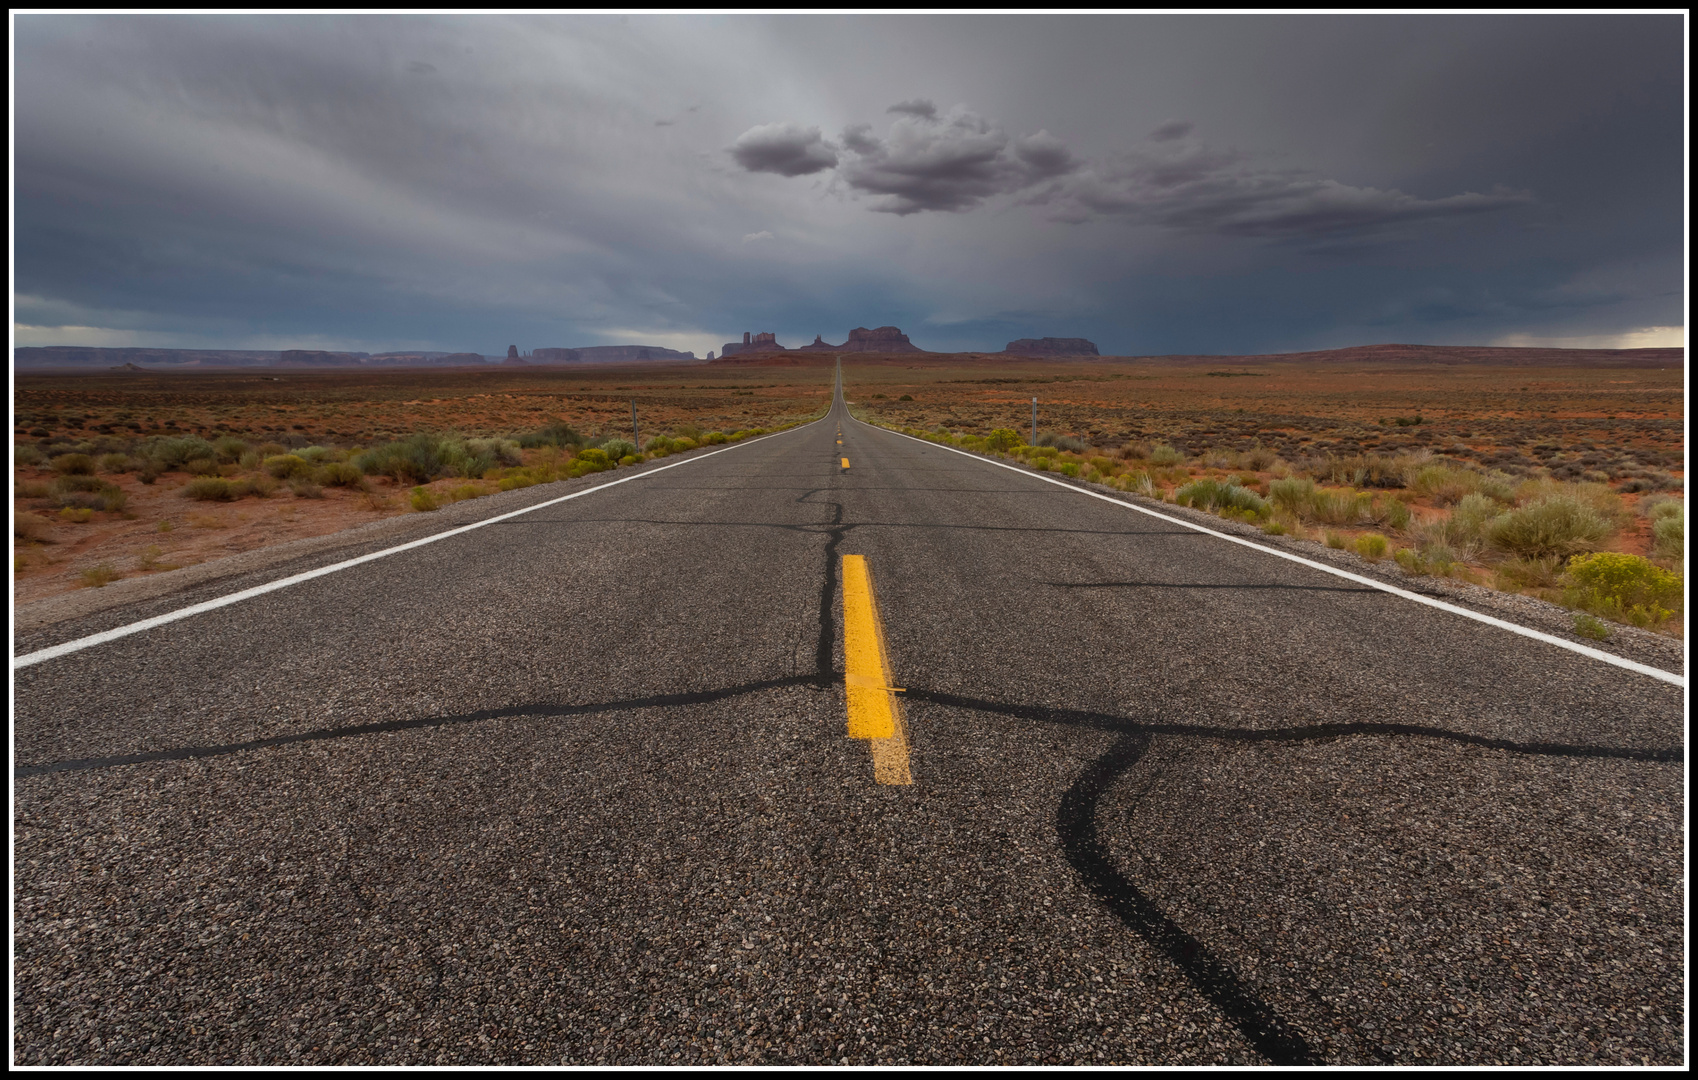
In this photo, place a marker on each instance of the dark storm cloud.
(929, 162)
(1184, 184)
(785, 149)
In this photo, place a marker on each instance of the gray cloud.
(1173, 129)
(1183, 184)
(950, 163)
(786, 149)
(915, 107)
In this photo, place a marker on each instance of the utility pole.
(634, 436)
(1034, 421)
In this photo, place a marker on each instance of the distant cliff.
(886, 339)
(1052, 346)
(77, 356)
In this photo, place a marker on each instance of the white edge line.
(283, 583)
(1502, 624)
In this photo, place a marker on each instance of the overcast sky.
(1158, 184)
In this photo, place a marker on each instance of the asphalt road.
(576, 787)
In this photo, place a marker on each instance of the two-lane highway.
(580, 787)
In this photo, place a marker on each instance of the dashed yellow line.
(874, 714)
(845, 463)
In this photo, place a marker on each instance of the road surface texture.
(577, 787)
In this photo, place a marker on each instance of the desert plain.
(1613, 431)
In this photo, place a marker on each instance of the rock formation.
(1052, 346)
(764, 341)
(886, 339)
(512, 352)
(820, 345)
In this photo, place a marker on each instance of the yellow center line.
(874, 714)
(845, 463)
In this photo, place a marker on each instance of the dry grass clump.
(1557, 526)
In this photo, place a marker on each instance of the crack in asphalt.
(1076, 821)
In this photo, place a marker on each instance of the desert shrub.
(201, 466)
(458, 457)
(1668, 537)
(96, 577)
(1556, 527)
(616, 449)
(1626, 588)
(660, 446)
(169, 453)
(1208, 494)
(116, 463)
(229, 449)
(251, 459)
(1600, 498)
(415, 459)
(683, 443)
(1371, 546)
(209, 489)
(286, 466)
(27, 454)
(305, 488)
(1275, 528)
(504, 451)
(1135, 451)
(712, 438)
(422, 499)
(1342, 506)
(260, 486)
(1587, 626)
(1517, 572)
(1390, 513)
(1362, 470)
(1103, 465)
(74, 465)
(1061, 442)
(1664, 508)
(87, 492)
(1164, 454)
(1068, 468)
(32, 527)
(630, 459)
(338, 474)
(590, 459)
(1462, 531)
(1430, 558)
(1336, 540)
(1291, 494)
(77, 514)
(1445, 484)
(1001, 440)
(558, 434)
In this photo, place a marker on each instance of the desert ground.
(1610, 436)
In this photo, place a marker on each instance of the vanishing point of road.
(835, 746)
